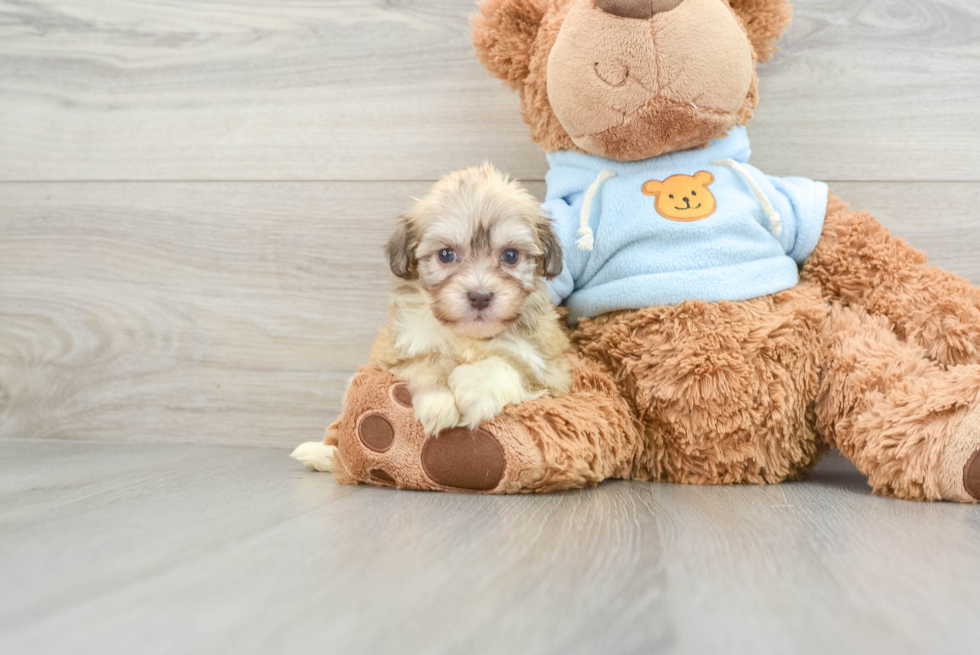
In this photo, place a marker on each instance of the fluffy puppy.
(471, 327)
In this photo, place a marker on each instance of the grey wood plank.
(860, 89)
(361, 90)
(213, 550)
(189, 307)
(125, 513)
(234, 313)
(940, 219)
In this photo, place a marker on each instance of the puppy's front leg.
(432, 399)
(483, 388)
(435, 410)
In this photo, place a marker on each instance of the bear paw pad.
(464, 459)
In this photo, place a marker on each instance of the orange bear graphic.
(683, 198)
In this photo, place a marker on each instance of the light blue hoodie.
(663, 249)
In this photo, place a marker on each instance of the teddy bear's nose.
(636, 8)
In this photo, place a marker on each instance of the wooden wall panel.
(235, 312)
(361, 90)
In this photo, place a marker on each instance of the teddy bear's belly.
(723, 389)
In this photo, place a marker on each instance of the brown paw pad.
(401, 395)
(464, 459)
(375, 432)
(971, 475)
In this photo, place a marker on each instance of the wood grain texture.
(364, 90)
(229, 313)
(178, 549)
(228, 309)
(234, 313)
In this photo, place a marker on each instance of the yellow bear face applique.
(683, 198)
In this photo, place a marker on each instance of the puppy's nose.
(479, 299)
(636, 8)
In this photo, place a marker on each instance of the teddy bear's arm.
(860, 263)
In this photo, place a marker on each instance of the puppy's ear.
(551, 260)
(400, 250)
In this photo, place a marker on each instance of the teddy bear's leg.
(911, 424)
(722, 390)
(543, 445)
(859, 263)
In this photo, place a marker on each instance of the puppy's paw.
(482, 389)
(436, 410)
(478, 409)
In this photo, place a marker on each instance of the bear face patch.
(683, 198)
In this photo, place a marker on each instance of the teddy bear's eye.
(694, 193)
(672, 196)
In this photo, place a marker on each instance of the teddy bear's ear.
(652, 188)
(503, 32)
(704, 178)
(765, 21)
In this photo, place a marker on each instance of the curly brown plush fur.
(765, 21)
(547, 445)
(719, 393)
(875, 352)
(859, 262)
(889, 408)
(742, 372)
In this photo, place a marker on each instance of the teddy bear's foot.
(542, 445)
(381, 443)
(959, 465)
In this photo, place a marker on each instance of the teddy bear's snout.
(641, 9)
(613, 73)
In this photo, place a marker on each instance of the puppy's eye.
(510, 256)
(447, 255)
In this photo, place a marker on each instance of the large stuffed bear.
(727, 326)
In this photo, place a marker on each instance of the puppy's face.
(477, 242)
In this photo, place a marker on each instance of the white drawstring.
(775, 221)
(586, 238)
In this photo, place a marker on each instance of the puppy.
(471, 326)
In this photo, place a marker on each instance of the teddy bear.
(727, 326)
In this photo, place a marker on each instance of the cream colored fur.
(316, 455)
(459, 380)
(462, 367)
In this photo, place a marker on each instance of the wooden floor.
(170, 548)
(193, 199)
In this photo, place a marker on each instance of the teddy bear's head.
(629, 79)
